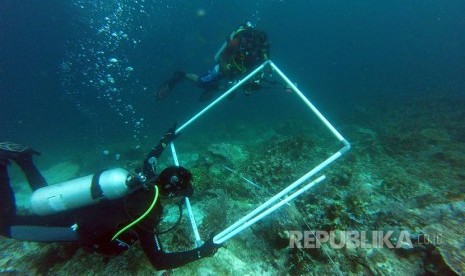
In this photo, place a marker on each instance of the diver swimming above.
(245, 49)
(106, 212)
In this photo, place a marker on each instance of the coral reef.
(281, 160)
(404, 174)
(233, 153)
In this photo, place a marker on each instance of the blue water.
(339, 51)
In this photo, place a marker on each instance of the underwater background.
(78, 81)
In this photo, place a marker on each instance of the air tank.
(80, 192)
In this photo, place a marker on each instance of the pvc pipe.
(346, 147)
(225, 94)
(175, 156)
(279, 195)
(298, 182)
(198, 241)
(309, 104)
(268, 211)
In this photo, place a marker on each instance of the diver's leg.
(31, 228)
(192, 77)
(7, 200)
(22, 155)
(33, 175)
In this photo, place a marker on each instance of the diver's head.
(175, 182)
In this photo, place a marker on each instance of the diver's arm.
(149, 169)
(162, 260)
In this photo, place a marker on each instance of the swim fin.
(16, 152)
(165, 88)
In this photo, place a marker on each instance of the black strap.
(95, 189)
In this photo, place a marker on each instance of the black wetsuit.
(96, 224)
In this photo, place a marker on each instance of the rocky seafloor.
(405, 172)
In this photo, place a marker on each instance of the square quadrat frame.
(287, 194)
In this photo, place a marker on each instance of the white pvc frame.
(266, 208)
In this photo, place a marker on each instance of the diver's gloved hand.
(150, 162)
(209, 248)
(169, 135)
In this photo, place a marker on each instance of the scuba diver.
(106, 212)
(245, 49)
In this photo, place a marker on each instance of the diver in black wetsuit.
(108, 226)
(245, 49)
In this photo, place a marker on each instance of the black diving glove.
(169, 135)
(149, 166)
(208, 249)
